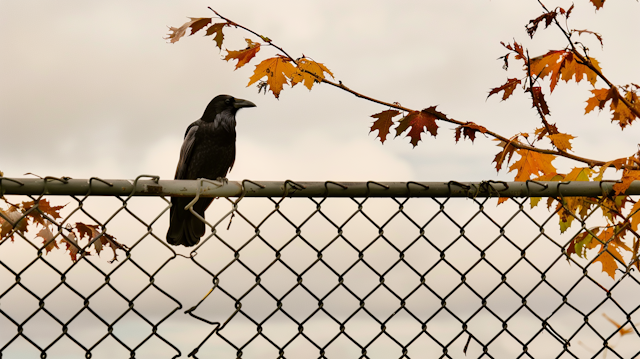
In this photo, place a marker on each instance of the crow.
(208, 151)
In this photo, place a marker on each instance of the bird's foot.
(222, 180)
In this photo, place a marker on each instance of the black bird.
(208, 151)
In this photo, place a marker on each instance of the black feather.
(208, 151)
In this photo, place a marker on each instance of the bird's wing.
(185, 151)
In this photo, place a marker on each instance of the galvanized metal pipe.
(152, 186)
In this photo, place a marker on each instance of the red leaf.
(469, 130)
(383, 123)
(419, 121)
(508, 88)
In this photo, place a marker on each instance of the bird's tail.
(185, 228)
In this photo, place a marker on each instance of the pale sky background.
(93, 89)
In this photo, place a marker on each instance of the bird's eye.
(228, 101)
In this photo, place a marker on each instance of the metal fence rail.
(306, 269)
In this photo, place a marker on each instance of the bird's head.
(224, 104)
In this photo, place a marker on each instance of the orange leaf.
(505, 154)
(610, 252)
(72, 244)
(196, 24)
(507, 88)
(530, 163)
(561, 141)
(243, 56)
(598, 3)
(306, 71)
(217, 29)
(617, 163)
(383, 123)
(628, 176)
(277, 70)
(598, 36)
(562, 62)
(419, 121)
(574, 206)
(43, 207)
(634, 216)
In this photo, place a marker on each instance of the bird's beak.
(240, 103)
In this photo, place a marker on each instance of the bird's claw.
(223, 180)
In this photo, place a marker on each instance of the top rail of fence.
(147, 185)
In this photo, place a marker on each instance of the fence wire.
(327, 275)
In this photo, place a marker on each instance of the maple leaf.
(43, 207)
(634, 216)
(530, 163)
(195, 23)
(505, 154)
(47, 239)
(570, 207)
(533, 24)
(309, 72)
(609, 253)
(469, 130)
(537, 97)
(243, 56)
(217, 29)
(517, 48)
(383, 123)
(12, 221)
(562, 62)
(617, 163)
(418, 121)
(598, 36)
(92, 231)
(72, 244)
(508, 88)
(628, 176)
(561, 141)
(277, 70)
(598, 3)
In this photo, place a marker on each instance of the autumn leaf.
(533, 24)
(277, 70)
(517, 48)
(598, 36)
(531, 163)
(309, 72)
(558, 63)
(92, 231)
(195, 23)
(12, 221)
(383, 123)
(628, 176)
(43, 207)
(217, 29)
(598, 3)
(609, 253)
(617, 163)
(47, 239)
(468, 130)
(508, 88)
(419, 121)
(505, 154)
(72, 244)
(572, 207)
(634, 216)
(243, 56)
(561, 141)
(537, 97)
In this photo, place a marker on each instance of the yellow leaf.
(306, 71)
(561, 141)
(277, 70)
(530, 163)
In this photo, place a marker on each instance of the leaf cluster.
(18, 219)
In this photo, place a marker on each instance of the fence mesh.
(325, 277)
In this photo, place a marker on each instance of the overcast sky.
(91, 88)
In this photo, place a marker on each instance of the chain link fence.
(303, 270)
